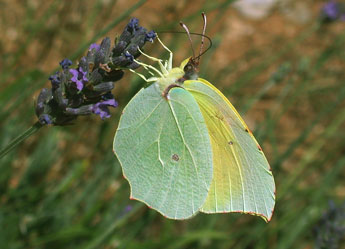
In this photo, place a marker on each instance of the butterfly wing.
(165, 151)
(242, 178)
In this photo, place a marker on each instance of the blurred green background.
(283, 71)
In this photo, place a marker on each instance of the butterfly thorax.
(172, 77)
(176, 76)
(168, 77)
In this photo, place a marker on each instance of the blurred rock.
(255, 9)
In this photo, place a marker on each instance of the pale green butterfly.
(184, 148)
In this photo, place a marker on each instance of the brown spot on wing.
(175, 157)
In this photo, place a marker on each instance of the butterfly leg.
(162, 67)
(147, 67)
(152, 79)
(169, 66)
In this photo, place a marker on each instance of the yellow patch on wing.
(242, 178)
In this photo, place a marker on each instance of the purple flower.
(333, 11)
(79, 77)
(94, 46)
(65, 63)
(150, 36)
(55, 79)
(133, 23)
(45, 119)
(101, 108)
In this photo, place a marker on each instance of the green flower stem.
(33, 129)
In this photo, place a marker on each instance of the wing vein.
(184, 142)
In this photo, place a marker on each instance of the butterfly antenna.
(190, 39)
(203, 36)
(192, 33)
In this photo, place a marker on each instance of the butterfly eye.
(188, 68)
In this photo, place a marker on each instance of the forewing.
(242, 178)
(165, 151)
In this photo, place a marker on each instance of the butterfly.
(185, 149)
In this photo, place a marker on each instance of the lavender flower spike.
(86, 88)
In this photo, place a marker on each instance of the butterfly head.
(190, 69)
(190, 66)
